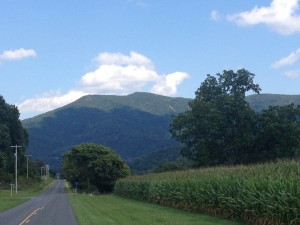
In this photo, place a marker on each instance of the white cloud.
(118, 79)
(119, 59)
(122, 74)
(288, 60)
(281, 16)
(167, 85)
(215, 15)
(17, 54)
(49, 101)
(116, 74)
(292, 73)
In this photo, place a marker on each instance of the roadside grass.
(26, 190)
(7, 202)
(115, 210)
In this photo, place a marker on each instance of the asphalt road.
(52, 207)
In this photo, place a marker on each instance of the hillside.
(133, 125)
(136, 126)
(263, 101)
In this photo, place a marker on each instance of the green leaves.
(278, 132)
(222, 128)
(93, 164)
(219, 122)
(11, 133)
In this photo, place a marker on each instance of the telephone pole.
(27, 163)
(16, 165)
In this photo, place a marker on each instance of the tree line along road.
(49, 208)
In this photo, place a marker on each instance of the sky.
(53, 52)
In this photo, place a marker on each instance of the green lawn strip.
(114, 210)
(24, 194)
(7, 202)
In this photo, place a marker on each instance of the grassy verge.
(114, 210)
(27, 189)
(7, 202)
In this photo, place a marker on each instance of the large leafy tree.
(218, 127)
(94, 165)
(221, 127)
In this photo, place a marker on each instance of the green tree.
(5, 156)
(278, 133)
(218, 128)
(11, 133)
(94, 165)
(221, 127)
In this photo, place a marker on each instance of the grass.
(26, 190)
(114, 210)
(6, 202)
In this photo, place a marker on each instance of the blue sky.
(53, 52)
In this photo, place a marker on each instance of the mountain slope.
(146, 102)
(136, 126)
(133, 125)
(263, 101)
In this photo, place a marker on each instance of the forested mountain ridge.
(135, 126)
(146, 102)
(142, 101)
(263, 101)
(132, 125)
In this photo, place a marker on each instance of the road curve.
(52, 207)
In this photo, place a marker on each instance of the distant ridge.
(136, 125)
(143, 101)
(133, 125)
(263, 101)
(147, 102)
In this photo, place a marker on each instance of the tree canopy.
(221, 128)
(93, 166)
(11, 133)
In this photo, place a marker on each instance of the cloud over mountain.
(116, 74)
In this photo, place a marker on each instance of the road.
(52, 207)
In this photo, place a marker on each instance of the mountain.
(263, 101)
(136, 126)
(133, 125)
(151, 161)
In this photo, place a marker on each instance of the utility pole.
(16, 165)
(27, 163)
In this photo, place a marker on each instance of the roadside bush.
(91, 165)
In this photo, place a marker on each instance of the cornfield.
(264, 194)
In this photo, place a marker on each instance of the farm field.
(266, 194)
(114, 210)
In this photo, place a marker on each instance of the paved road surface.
(52, 207)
